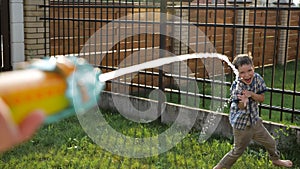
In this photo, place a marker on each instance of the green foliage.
(65, 145)
(287, 140)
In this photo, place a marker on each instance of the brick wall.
(35, 30)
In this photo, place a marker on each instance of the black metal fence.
(121, 33)
(5, 57)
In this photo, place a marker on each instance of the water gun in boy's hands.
(53, 85)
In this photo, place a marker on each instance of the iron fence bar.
(132, 39)
(79, 27)
(95, 37)
(196, 60)
(139, 44)
(83, 30)
(113, 35)
(105, 47)
(125, 40)
(146, 52)
(47, 19)
(118, 44)
(68, 28)
(5, 32)
(204, 60)
(224, 29)
(45, 28)
(162, 47)
(208, 6)
(253, 46)
(253, 30)
(283, 75)
(153, 43)
(187, 51)
(290, 92)
(185, 24)
(275, 56)
(285, 64)
(73, 25)
(212, 104)
(233, 53)
(180, 45)
(264, 49)
(244, 28)
(278, 108)
(101, 35)
(60, 48)
(295, 75)
(54, 31)
(264, 42)
(1, 46)
(202, 6)
(89, 29)
(274, 61)
(1, 38)
(223, 48)
(188, 61)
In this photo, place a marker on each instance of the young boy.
(244, 115)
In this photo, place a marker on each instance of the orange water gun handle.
(27, 90)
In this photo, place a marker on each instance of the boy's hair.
(242, 59)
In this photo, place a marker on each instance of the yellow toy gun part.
(27, 90)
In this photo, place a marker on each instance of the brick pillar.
(242, 19)
(283, 41)
(36, 36)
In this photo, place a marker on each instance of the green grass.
(282, 100)
(66, 145)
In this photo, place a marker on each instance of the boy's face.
(246, 73)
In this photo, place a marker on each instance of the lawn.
(287, 81)
(66, 145)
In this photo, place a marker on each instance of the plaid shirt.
(240, 118)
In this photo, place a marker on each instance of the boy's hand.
(244, 100)
(256, 97)
(247, 93)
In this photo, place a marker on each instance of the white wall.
(17, 31)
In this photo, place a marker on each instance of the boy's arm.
(243, 101)
(257, 97)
